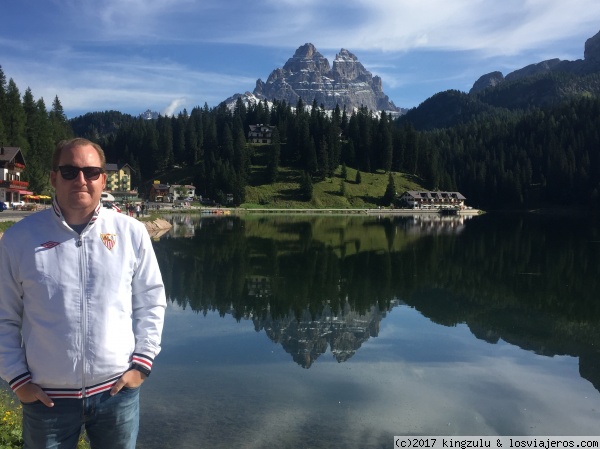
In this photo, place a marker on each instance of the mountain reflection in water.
(314, 283)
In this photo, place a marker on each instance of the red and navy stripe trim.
(142, 359)
(59, 214)
(96, 213)
(19, 381)
(77, 393)
(56, 207)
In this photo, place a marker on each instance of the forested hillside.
(212, 141)
(541, 157)
(495, 153)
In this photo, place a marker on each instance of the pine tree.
(411, 149)
(344, 122)
(3, 107)
(153, 162)
(192, 137)
(323, 160)
(227, 145)
(178, 126)
(165, 140)
(40, 145)
(390, 191)
(14, 125)
(344, 172)
(240, 111)
(273, 157)
(2, 133)
(334, 145)
(306, 186)
(61, 129)
(300, 107)
(365, 140)
(342, 187)
(385, 142)
(239, 191)
(241, 161)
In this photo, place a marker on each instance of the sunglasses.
(70, 172)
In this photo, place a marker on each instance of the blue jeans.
(110, 422)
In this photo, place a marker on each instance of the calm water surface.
(341, 332)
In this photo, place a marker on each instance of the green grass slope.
(330, 193)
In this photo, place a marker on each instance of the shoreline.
(158, 226)
(361, 211)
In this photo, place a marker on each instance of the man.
(82, 306)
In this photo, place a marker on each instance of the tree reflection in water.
(313, 282)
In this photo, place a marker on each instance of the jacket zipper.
(83, 312)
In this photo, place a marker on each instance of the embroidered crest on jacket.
(109, 240)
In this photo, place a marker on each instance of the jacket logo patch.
(50, 244)
(109, 240)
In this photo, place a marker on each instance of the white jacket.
(76, 310)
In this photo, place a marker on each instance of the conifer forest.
(498, 157)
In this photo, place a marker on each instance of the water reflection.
(306, 337)
(314, 283)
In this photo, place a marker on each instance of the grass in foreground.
(4, 225)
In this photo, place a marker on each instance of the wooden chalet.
(422, 199)
(12, 165)
(260, 133)
(158, 192)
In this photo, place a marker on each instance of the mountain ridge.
(589, 64)
(307, 75)
(539, 85)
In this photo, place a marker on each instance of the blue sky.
(166, 55)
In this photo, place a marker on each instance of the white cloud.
(506, 27)
(107, 53)
(126, 85)
(401, 381)
(132, 18)
(174, 107)
(494, 28)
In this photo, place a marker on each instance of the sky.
(167, 55)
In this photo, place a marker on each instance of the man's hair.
(74, 143)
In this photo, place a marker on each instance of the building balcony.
(14, 184)
(16, 166)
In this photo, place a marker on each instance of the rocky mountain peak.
(309, 76)
(347, 67)
(307, 59)
(305, 51)
(489, 80)
(345, 55)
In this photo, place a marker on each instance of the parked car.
(3, 206)
(17, 204)
(105, 196)
(111, 205)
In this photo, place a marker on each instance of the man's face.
(78, 197)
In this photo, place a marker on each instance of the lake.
(318, 331)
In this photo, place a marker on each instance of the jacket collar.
(59, 215)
